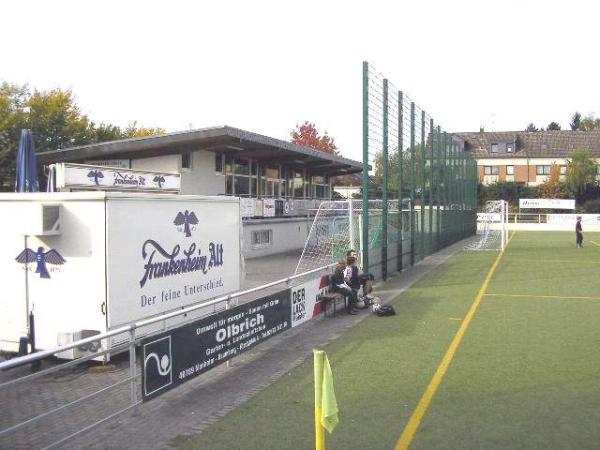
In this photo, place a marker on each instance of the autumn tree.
(133, 131)
(553, 187)
(307, 135)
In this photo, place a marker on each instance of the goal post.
(492, 227)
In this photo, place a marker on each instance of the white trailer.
(88, 262)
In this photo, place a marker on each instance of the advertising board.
(177, 356)
(546, 203)
(98, 177)
(169, 255)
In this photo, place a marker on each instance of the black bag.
(385, 310)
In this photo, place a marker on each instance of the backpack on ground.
(384, 310)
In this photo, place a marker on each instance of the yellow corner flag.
(326, 409)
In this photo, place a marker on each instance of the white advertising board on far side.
(546, 203)
(571, 219)
(169, 254)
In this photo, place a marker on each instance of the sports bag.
(384, 310)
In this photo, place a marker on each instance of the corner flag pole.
(326, 410)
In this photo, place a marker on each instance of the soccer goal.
(335, 229)
(492, 227)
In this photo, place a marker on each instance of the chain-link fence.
(409, 159)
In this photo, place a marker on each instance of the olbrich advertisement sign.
(169, 254)
(98, 177)
(546, 203)
(175, 357)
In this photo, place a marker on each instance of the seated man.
(363, 278)
(338, 284)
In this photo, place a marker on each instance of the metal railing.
(34, 404)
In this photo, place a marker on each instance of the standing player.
(579, 232)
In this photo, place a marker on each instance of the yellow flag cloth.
(325, 401)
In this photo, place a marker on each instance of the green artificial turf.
(525, 376)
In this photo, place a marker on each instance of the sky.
(265, 66)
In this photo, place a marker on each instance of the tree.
(133, 131)
(307, 135)
(589, 123)
(582, 171)
(56, 122)
(575, 121)
(531, 128)
(13, 118)
(553, 187)
(553, 126)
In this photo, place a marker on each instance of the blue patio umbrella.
(27, 180)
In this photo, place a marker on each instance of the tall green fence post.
(412, 184)
(384, 218)
(365, 193)
(431, 184)
(400, 174)
(422, 210)
(438, 191)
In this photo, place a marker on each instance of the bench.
(329, 302)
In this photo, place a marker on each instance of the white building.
(279, 183)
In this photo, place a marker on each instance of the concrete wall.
(167, 163)
(202, 179)
(287, 235)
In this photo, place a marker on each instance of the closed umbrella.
(27, 180)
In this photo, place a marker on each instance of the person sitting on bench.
(362, 277)
(339, 285)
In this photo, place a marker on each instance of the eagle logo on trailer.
(183, 220)
(96, 175)
(41, 258)
(159, 179)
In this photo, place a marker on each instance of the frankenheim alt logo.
(158, 365)
(42, 258)
(183, 220)
(95, 175)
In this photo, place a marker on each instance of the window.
(510, 170)
(494, 148)
(490, 170)
(269, 181)
(543, 170)
(219, 162)
(320, 187)
(563, 170)
(298, 184)
(239, 182)
(509, 148)
(186, 161)
(262, 238)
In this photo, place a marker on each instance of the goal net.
(337, 227)
(492, 230)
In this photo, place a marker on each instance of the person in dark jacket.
(579, 232)
(338, 283)
(363, 278)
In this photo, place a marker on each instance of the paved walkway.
(169, 419)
